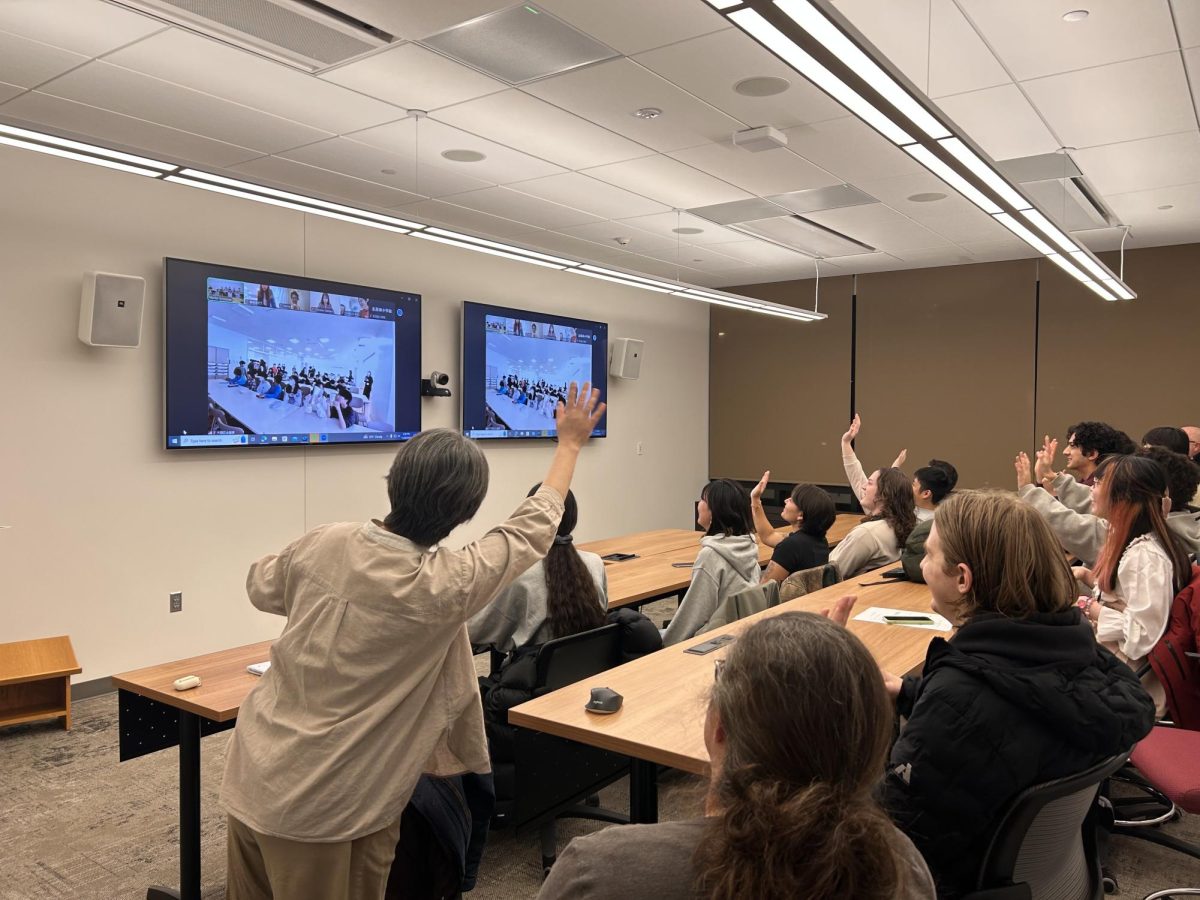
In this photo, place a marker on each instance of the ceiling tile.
(704, 258)
(534, 126)
(411, 21)
(631, 26)
(439, 212)
(577, 248)
(413, 78)
(1142, 165)
(1032, 39)
(8, 91)
(664, 225)
(942, 256)
(89, 27)
(1001, 121)
(500, 166)
(710, 66)
(243, 77)
(1187, 21)
(868, 262)
(359, 160)
(609, 93)
(898, 28)
(764, 254)
(850, 150)
(954, 218)
(668, 181)
(635, 240)
(581, 192)
(511, 204)
(880, 226)
(1141, 98)
(777, 171)
(994, 251)
(111, 87)
(27, 63)
(656, 267)
(959, 59)
(127, 132)
(1140, 209)
(323, 183)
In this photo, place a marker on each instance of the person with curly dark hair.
(1173, 438)
(1088, 443)
(888, 502)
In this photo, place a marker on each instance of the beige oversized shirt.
(371, 683)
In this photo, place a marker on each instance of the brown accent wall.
(779, 391)
(945, 366)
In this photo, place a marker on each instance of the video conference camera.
(433, 386)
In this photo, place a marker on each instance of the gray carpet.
(76, 824)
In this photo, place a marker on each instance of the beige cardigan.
(371, 683)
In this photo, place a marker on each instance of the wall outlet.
(177, 601)
(638, 449)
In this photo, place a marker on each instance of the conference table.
(154, 716)
(661, 721)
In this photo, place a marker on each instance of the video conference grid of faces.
(277, 297)
(544, 330)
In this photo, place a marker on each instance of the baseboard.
(84, 690)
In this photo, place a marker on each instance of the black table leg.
(643, 792)
(189, 813)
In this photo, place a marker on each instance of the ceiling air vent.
(1054, 182)
(519, 45)
(302, 33)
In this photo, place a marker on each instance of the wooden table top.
(645, 543)
(22, 661)
(666, 693)
(225, 681)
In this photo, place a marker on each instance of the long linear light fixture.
(821, 45)
(95, 154)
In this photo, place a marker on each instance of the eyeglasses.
(718, 668)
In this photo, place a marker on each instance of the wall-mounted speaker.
(626, 361)
(110, 309)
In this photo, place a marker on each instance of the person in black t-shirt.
(810, 512)
(340, 408)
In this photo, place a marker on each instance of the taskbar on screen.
(501, 433)
(258, 440)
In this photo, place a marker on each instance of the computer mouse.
(604, 701)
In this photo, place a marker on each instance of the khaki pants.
(262, 867)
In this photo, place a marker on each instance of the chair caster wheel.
(547, 865)
(1109, 884)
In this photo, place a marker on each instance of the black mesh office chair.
(1045, 845)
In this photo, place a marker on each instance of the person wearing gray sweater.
(727, 562)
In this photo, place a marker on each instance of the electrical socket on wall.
(177, 601)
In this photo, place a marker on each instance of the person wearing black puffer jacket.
(1021, 693)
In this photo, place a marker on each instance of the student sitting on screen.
(341, 410)
(728, 558)
(1020, 694)
(238, 378)
(271, 390)
(810, 512)
(797, 729)
(375, 644)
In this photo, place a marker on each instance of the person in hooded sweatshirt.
(728, 558)
(1020, 694)
(1073, 519)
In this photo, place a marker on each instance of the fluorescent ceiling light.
(286, 204)
(1097, 270)
(616, 273)
(300, 198)
(1117, 288)
(1098, 290)
(986, 173)
(489, 250)
(942, 170)
(750, 305)
(626, 282)
(471, 239)
(145, 162)
(1024, 233)
(78, 157)
(815, 23)
(1062, 263)
(1050, 230)
(783, 47)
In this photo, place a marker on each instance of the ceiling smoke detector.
(647, 112)
(1075, 15)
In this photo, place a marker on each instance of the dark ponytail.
(573, 602)
(797, 817)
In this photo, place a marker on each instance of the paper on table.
(876, 614)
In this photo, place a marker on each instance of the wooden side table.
(35, 680)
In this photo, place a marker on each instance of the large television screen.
(517, 364)
(263, 359)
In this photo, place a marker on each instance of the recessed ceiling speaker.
(110, 309)
(626, 360)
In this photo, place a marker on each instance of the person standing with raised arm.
(371, 682)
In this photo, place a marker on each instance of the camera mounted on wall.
(434, 385)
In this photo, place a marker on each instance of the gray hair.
(437, 481)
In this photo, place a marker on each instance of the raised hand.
(1024, 475)
(842, 607)
(577, 416)
(852, 431)
(899, 461)
(1044, 466)
(757, 492)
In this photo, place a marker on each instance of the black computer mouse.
(604, 701)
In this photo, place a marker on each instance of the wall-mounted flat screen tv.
(264, 359)
(517, 364)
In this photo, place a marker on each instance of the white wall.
(105, 523)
